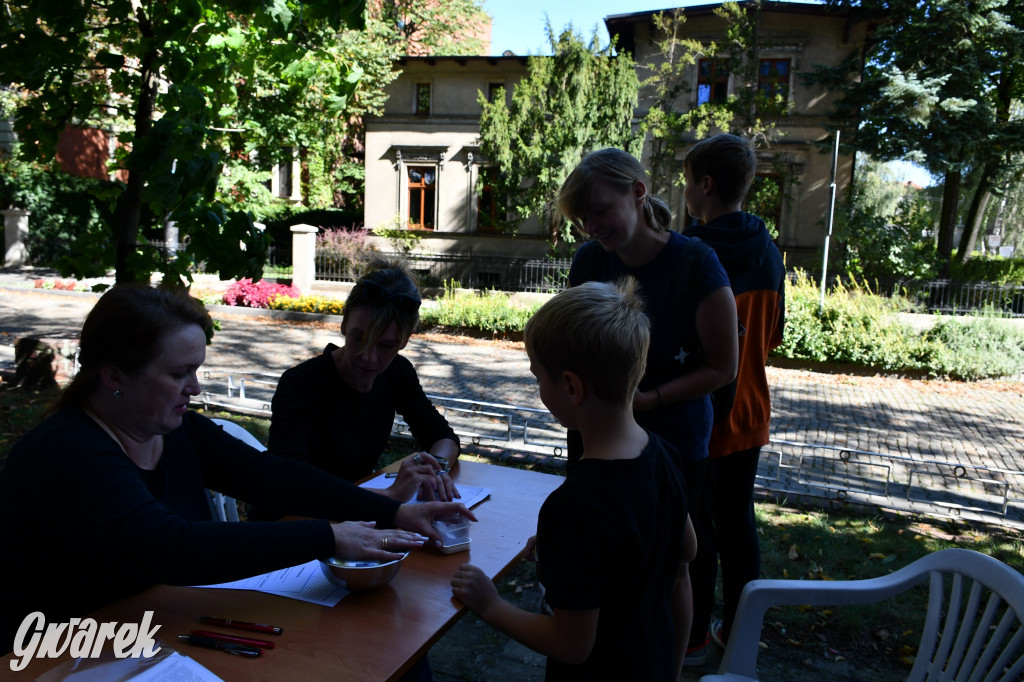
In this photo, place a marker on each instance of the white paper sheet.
(471, 495)
(167, 664)
(305, 582)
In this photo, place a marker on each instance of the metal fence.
(551, 276)
(469, 271)
(951, 297)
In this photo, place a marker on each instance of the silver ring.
(384, 544)
(416, 458)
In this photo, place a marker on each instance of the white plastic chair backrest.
(223, 507)
(973, 632)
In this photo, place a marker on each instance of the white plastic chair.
(974, 632)
(223, 507)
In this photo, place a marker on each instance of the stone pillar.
(303, 257)
(15, 236)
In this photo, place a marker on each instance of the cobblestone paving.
(951, 448)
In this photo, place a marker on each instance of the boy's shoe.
(715, 632)
(697, 655)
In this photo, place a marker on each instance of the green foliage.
(232, 79)
(402, 240)
(990, 269)
(938, 84)
(579, 99)
(746, 112)
(881, 225)
(861, 328)
(67, 215)
(978, 348)
(489, 311)
(441, 28)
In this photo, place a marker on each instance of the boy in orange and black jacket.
(718, 172)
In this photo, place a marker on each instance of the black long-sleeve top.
(81, 525)
(318, 418)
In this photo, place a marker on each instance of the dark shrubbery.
(65, 211)
(860, 328)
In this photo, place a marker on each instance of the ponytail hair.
(622, 170)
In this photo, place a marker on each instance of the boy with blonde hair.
(613, 541)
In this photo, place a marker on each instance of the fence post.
(15, 236)
(303, 257)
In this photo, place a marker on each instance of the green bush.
(489, 311)
(977, 347)
(990, 269)
(861, 328)
(66, 210)
(854, 327)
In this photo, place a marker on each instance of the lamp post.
(831, 217)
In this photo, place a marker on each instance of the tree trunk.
(975, 214)
(947, 219)
(129, 205)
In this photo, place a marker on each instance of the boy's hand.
(474, 589)
(531, 548)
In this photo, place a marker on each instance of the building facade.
(792, 39)
(423, 162)
(422, 155)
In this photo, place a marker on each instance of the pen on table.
(244, 641)
(240, 625)
(209, 643)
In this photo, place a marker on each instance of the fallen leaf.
(794, 553)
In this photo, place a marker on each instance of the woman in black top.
(107, 496)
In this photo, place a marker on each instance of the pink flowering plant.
(259, 294)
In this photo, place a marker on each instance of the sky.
(518, 25)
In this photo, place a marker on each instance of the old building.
(792, 38)
(422, 159)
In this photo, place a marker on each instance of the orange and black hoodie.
(758, 280)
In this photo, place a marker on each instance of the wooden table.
(374, 635)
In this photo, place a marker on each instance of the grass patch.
(803, 543)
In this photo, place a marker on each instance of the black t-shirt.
(611, 537)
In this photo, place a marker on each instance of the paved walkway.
(943, 448)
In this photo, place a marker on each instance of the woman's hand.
(418, 517)
(415, 473)
(361, 541)
(644, 401)
(422, 474)
(474, 589)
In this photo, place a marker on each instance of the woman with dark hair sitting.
(107, 496)
(336, 410)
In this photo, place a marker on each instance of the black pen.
(209, 643)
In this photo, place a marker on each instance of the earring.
(118, 394)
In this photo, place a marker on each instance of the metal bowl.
(360, 575)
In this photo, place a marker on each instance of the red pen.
(234, 640)
(241, 625)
